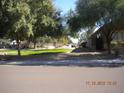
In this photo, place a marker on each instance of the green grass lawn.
(35, 52)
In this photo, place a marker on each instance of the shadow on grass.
(36, 56)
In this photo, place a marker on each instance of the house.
(98, 41)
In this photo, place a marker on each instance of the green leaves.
(29, 18)
(93, 11)
(20, 19)
(45, 16)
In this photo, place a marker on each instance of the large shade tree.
(29, 19)
(16, 22)
(47, 20)
(107, 13)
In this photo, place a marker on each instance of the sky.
(65, 5)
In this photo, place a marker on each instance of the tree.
(17, 14)
(29, 19)
(73, 22)
(47, 20)
(4, 15)
(102, 13)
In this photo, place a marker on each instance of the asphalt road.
(48, 79)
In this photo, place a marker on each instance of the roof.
(110, 26)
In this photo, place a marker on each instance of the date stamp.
(101, 83)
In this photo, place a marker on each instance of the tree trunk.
(19, 51)
(34, 45)
(28, 44)
(18, 46)
(109, 46)
(108, 35)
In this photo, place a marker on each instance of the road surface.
(48, 79)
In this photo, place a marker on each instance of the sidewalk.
(83, 63)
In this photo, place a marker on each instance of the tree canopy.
(23, 19)
(92, 12)
(98, 13)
